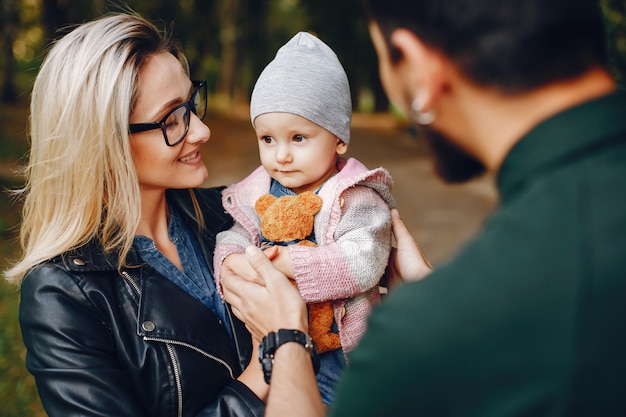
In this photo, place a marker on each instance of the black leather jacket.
(101, 343)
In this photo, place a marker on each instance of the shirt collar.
(562, 138)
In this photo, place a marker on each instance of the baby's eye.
(299, 138)
(267, 139)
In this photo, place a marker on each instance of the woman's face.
(163, 85)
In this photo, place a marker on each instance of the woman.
(119, 312)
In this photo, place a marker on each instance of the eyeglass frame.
(189, 107)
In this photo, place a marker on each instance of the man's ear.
(426, 67)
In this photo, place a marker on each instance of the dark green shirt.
(530, 318)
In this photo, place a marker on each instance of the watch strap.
(274, 340)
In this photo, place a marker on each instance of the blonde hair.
(81, 182)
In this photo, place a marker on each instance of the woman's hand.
(266, 301)
(406, 262)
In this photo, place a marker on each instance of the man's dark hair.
(512, 45)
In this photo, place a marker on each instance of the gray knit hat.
(306, 79)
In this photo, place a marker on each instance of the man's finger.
(400, 231)
(272, 277)
(283, 297)
(259, 261)
(235, 287)
(409, 262)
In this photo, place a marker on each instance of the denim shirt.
(195, 278)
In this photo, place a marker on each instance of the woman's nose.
(198, 131)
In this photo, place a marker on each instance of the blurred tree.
(229, 34)
(254, 54)
(9, 18)
(189, 20)
(615, 18)
(345, 30)
(57, 14)
(228, 42)
(195, 28)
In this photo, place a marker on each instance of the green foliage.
(615, 20)
(18, 395)
(13, 143)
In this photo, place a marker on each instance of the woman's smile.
(192, 157)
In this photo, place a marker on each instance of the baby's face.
(296, 152)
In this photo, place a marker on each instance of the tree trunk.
(228, 35)
(9, 19)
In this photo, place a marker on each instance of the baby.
(301, 110)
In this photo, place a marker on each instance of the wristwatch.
(274, 340)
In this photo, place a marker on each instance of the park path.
(441, 217)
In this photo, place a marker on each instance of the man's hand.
(267, 301)
(237, 263)
(406, 262)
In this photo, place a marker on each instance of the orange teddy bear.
(289, 220)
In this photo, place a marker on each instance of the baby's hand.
(271, 252)
(279, 255)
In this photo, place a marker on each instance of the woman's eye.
(172, 124)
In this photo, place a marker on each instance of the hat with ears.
(306, 79)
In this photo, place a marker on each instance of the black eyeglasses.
(175, 124)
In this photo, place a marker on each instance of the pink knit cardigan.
(353, 233)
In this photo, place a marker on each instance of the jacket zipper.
(179, 384)
(187, 345)
(131, 281)
(170, 350)
(234, 331)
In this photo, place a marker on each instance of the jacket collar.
(561, 139)
(92, 258)
(154, 321)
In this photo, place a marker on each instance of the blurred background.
(228, 42)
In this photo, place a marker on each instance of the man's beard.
(452, 163)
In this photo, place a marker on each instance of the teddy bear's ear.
(263, 203)
(310, 201)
